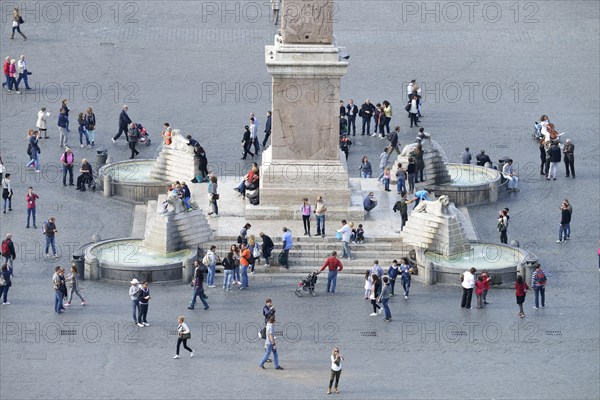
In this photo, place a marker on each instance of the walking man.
(50, 232)
(124, 122)
(402, 206)
(334, 265)
(267, 247)
(394, 145)
(198, 285)
(267, 129)
(287, 245)
(538, 283)
(23, 72)
(468, 283)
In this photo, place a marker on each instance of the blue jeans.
(386, 308)
(58, 296)
(186, 202)
(320, 225)
(198, 292)
(268, 351)
(365, 174)
(5, 83)
(539, 291)
(406, 286)
(244, 276)
(386, 183)
(24, 76)
(236, 274)
(210, 279)
(5, 293)
(35, 161)
(346, 250)
(331, 281)
(564, 231)
(50, 242)
(401, 185)
(9, 201)
(227, 278)
(82, 133)
(68, 169)
(135, 310)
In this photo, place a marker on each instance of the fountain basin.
(132, 180)
(471, 185)
(501, 262)
(125, 259)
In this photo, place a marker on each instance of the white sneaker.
(7, 303)
(83, 303)
(140, 325)
(380, 310)
(191, 354)
(373, 314)
(82, 146)
(176, 356)
(114, 141)
(405, 297)
(146, 324)
(67, 304)
(535, 308)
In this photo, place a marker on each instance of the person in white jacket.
(183, 334)
(345, 232)
(468, 283)
(23, 72)
(42, 117)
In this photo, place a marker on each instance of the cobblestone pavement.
(488, 71)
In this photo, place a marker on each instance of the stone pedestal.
(175, 162)
(436, 171)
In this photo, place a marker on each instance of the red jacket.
(486, 281)
(31, 200)
(6, 67)
(521, 289)
(333, 263)
(479, 286)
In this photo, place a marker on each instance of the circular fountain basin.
(501, 262)
(125, 259)
(470, 185)
(131, 180)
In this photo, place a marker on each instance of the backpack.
(263, 333)
(5, 248)
(251, 259)
(44, 227)
(540, 275)
(206, 260)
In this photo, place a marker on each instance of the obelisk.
(304, 158)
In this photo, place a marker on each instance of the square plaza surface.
(488, 70)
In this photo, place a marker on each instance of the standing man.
(287, 245)
(23, 72)
(58, 293)
(211, 257)
(538, 283)
(345, 231)
(8, 252)
(267, 248)
(67, 159)
(63, 122)
(351, 112)
(320, 211)
(50, 231)
(569, 158)
(30, 198)
(402, 206)
(384, 298)
(144, 299)
(267, 129)
(270, 345)
(366, 112)
(134, 293)
(468, 283)
(466, 156)
(334, 265)
(124, 122)
(565, 222)
(198, 285)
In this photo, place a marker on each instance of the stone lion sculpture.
(438, 208)
(172, 205)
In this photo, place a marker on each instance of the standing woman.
(336, 369)
(365, 168)
(375, 292)
(228, 267)
(83, 130)
(74, 288)
(213, 196)
(521, 289)
(414, 110)
(90, 120)
(6, 193)
(255, 250)
(387, 114)
(17, 20)
(5, 283)
(183, 334)
(236, 264)
(411, 170)
(503, 226)
(33, 149)
(306, 209)
(419, 163)
(42, 122)
(63, 106)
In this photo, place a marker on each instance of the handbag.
(21, 20)
(338, 235)
(186, 336)
(407, 108)
(216, 196)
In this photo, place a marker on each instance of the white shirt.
(253, 130)
(345, 231)
(334, 366)
(469, 280)
(409, 88)
(183, 328)
(21, 66)
(413, 106)
(269, 332)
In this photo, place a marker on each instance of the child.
(360, 234)
(406, 271)
(387, 174)
(479, 291)
(520, 292)
(486, 285)
(74, 287)
(367, 284)
(392, 275)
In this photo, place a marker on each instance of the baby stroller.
(144, 136)
(307, 284)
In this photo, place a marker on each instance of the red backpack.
(5, 248)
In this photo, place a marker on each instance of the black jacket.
(268, 125)
(267, 242)
(7, 278)
(394, 138)
(555, 154)
(565, 217)
(124, 120)
(246, 138)
(482, 159)
(352, 108)
(367, 110)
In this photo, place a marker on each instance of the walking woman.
(183, 334)
(336, 369)
(90, 127)
(17, 20)
(375, 292)
(5, 283)
(74, 287)
(33, 149)
(83, 130)
(213, 196)
(306, 209)
(6, 193)
(521, 289)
